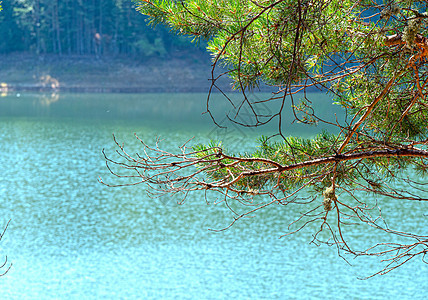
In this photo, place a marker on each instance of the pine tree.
(370, 57)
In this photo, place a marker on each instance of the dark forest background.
(82, 27)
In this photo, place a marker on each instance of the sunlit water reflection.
(71, 237)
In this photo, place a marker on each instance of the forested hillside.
(94, 45)
(82, 27)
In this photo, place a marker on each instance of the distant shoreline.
(28, 88)
(183, 73)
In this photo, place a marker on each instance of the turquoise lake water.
(71, 237)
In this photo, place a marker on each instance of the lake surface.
(71, 237)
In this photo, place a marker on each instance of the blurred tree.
(81, 27)
(10, 32)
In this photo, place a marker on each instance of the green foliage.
(263, 49)
(339, 46)
(290, 151)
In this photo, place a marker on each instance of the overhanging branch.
(410, 152)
